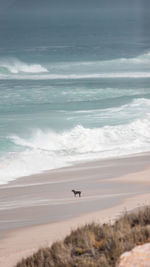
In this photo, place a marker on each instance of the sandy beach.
(74, 115)
(37, 210)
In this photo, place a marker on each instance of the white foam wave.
(111, 75)
(50, 150)
(142, 59)
(137, 67)
(28, 162)
(129, 112)
(16, 66)
(80, 141)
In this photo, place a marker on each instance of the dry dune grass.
(95, 245)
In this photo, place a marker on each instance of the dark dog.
(76, 193)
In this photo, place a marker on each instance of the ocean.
(74, 87)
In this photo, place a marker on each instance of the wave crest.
(16, 66)
(51, 150)
(137, 67)
(130, 137)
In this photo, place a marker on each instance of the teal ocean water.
(73, 88)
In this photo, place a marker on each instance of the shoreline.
(106, 194)
(88, 163)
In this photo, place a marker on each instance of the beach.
(37, 210)
(74, 115)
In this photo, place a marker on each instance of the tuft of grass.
(95, 245)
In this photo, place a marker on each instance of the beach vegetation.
(95, 245)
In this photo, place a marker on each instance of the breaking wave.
(78, 77)
(137, 67)
(15, 66)
(45, 150)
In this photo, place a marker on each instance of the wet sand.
(39, 209)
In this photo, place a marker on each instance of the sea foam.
(111, 75)
(45, 150)
(16, 66)
(137, 67)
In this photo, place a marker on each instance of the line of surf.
(113, 75)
